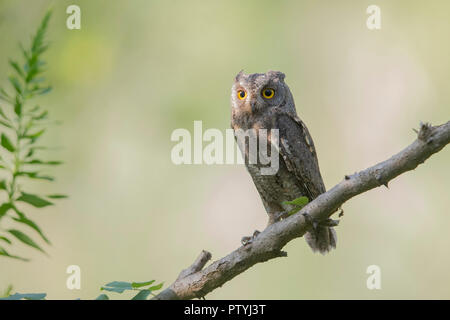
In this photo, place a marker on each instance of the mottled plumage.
(298, 175)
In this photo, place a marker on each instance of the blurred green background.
(139, 69)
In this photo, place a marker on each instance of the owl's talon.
(277, 216)
(307, 216)
(324, 223)
(247, 240)
(281, 215)
(329, 223)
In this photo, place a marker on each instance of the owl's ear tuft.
(278, 74)
(239, 75)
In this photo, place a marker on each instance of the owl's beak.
(253, 105)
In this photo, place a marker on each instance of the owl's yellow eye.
(241, 94)
(268, 93)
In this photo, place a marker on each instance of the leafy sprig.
(22, 124)
(296, 204)
(144, 289)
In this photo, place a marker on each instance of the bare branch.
(196, 283)
(198, 265)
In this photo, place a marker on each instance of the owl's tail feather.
(323, 239)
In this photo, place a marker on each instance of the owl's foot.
(277, 216)
(320, 223)
(281, 215)
(247, 240)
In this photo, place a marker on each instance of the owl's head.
(254, 94)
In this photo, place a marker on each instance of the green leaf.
(157, 287)
(48, 178)
(45, 90)
(301, 202)
(102, 297)
(298, 204)
(5, 239)
(53, 163)
(48, 163)
(3, 185)
(16, 84)
(16, 67)
(30, 153)
(35, 135)
(34, 200)
(37, 80)
(37, 45)
(40, 148)
(4, 253)
(34, 175)
(26, 296)
(25, 53)
(25, 239)
(6, 143)
(34, 296)
(23, 219)
(35, 108)
(43, 115)
(294, 211)
(141, 284)
(18, 106)
(4, 208)
(57, 196)
(3, 115)
(6, 124)
(113, 289)
(117, 286)
(8, 291)
(5, 98)
(142, 295)
(5, 95)
(32, 73)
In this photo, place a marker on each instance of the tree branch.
(194, 282)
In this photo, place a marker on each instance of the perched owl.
(264, 101)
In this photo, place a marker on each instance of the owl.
(264, 101)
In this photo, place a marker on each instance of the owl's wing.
(298, 152)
